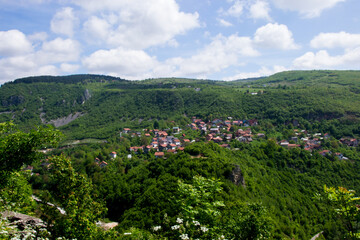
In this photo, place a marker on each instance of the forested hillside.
(183, 158)
(108, 104)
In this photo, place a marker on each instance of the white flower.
(175, 227)
(196, 223)
(128, 233)
(156, 228)
(184, 236)
(204, 229)
(179, 220)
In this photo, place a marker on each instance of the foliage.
(72, 192)
(344, 203)
(18, 148)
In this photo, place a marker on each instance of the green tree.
(344, 203)
(72, 192)
(18, 148)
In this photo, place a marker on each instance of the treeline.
(140, 190)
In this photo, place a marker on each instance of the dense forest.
(232, 189)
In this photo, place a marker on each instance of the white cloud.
(307, 8)
(260, 10)
(39, 36)
(120, 62)
(64, 22)
(69, 68)
(263, 71)
(137, 24)
(14, 43)
(322, 59)
(97, 28)
(236, 9)
(276, 36)
(23, 66)
(224, 23)
(336, 40)
(59, 50)
(221, 53)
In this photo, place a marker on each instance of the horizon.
(222, 40)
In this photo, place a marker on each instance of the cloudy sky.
(206, 39)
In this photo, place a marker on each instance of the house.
(103, 164)
(325, 152)
(217, 139)
(284, 143)
(159, 154)
(327, 136)
(171, 146)
(295, 139)
(340, 156)
(228, 137)
(126, 130)
(176, 129)
(292, 145)
(147, 148)
(260, 135)
(177, 142)
(113, 155)
(225, 146)
(163, 147)
(209, 137)
(253, 122)
(216, 121)
(215, 130)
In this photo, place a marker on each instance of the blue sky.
(139, 39)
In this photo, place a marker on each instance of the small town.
(222, 132)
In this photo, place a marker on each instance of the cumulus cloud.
(120, 62)
(23, 66)
(322, 60)
(69, 68)
(336, 40)
(137, 24)
(224, 23)
(236, 9)
(275, 36)
(260, 10)
(307, 8)
(64, 21)
(13, 43)
(263, 71)
(221, 53)
(59, 50)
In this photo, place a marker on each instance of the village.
(223, 132)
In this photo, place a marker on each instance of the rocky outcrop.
(22, 226)
(65, 120)
(61, 121)
(236, 176)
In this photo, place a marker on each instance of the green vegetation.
(249, 190)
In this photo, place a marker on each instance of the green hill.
(106, 104)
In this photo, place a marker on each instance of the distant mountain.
(98, 106)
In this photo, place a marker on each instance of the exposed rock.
(107, 226)
(21, 221)
(236, 176)
(87, 94)
(61, 121)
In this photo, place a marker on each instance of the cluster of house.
(313, 143)
(216, 130)
(161, 142)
